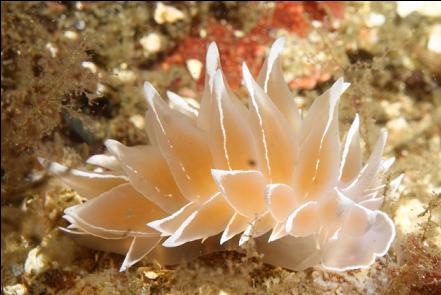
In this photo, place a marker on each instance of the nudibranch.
(217, 174)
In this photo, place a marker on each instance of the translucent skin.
(222, 172)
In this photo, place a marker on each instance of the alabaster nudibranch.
(220, 173)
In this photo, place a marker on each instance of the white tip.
(278, 232)
(339, 87)
(175, 98)
(170, 242)
(246, 235)
(343, 201)
(223, 238)
(278, 45)
(212, 61)
(150, 93)
(275, 51)
(393, 186)
(357, 120)
(123, 266)
(57, 168)
(156, 225)
(387, 164)
(176, 239)
(113, 146)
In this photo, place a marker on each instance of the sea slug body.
(219, 173)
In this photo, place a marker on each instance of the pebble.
(375, 20)
(194, 66)
(137, 121)
(314, 37)
(434, 43)
(238, 33)
(79, 5)
(100, 89)
(17, 289)
(151, 275)
(151, 43)
(392, 109)
(316, 24)
(36, 262)
(80, 25)
(71, 35)
(167, 14)
(90, 66)
(203, 33)
(52, 49)
(426, 8)
(397, 125)
(125, 76)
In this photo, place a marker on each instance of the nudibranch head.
(222, 172)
